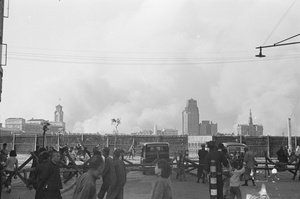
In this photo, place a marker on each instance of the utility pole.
(289, 134)
(1, 42)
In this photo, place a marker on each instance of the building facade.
(190, 118)
(208, 128)
(35, 126)
(15, 123)
(250, 128)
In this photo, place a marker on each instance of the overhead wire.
(279, 22)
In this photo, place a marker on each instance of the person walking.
(86, 184)
(181, 166)
(250, 164)
(162, 188)
(117, 178)
(51, 180)
(106, 173)
(11, 167)
(220, 160)
(202, 154)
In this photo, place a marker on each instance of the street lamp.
(45, 128)
(276, 45)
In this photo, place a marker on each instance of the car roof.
(228, 144)
(155, 143)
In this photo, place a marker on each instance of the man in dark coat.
(202, 154)
(220, 160)
(106, 173)
(50, 181)
(118, 177)
(38, 174)
(282, 155)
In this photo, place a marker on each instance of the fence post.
(35, 142)
(107, 141)
(13, 142)
(268, 145)
(213, 191)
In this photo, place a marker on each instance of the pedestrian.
(202, 154)
(1, 174)
(131, 152)
(51, 180)
(11, 167)
(282, 155)
(220, 160)
(234, 187)
(181, 166)
(86, 184)
(39, 173)
(106, 173)
(249, 168)
(4, 152)
(117, 178)
(226, 173)
(162, 188)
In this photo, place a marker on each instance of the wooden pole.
(13, 142)
(35, 142)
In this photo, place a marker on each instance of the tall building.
(208, 128)
(190, 118)
(250, 128)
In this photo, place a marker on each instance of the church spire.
(250, 119)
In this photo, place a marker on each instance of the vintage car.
(233, 147)
(152, 151)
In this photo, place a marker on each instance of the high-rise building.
(190, 118)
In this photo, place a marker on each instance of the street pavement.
(139, 186)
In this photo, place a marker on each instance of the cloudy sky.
(141, 60)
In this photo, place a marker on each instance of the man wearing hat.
(220, 160)
(106, 175)
(202, 154)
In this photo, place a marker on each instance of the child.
(162, 188)
(234, 189)
(11, 166)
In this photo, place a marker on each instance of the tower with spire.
(250, 128)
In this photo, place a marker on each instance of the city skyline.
(141, 60)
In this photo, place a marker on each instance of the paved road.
(139, 186)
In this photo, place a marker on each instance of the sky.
(141, 60)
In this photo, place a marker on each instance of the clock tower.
(58, 114)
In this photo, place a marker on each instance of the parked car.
(233, 147)
(152, 151)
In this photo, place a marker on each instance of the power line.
(106, 61)
(279, 22)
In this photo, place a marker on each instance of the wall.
(26, 143)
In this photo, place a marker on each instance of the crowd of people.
(230, 169)
(45, 177)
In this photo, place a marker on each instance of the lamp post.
(45, 128)
(280, 43)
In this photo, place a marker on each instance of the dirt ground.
(139, 186)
